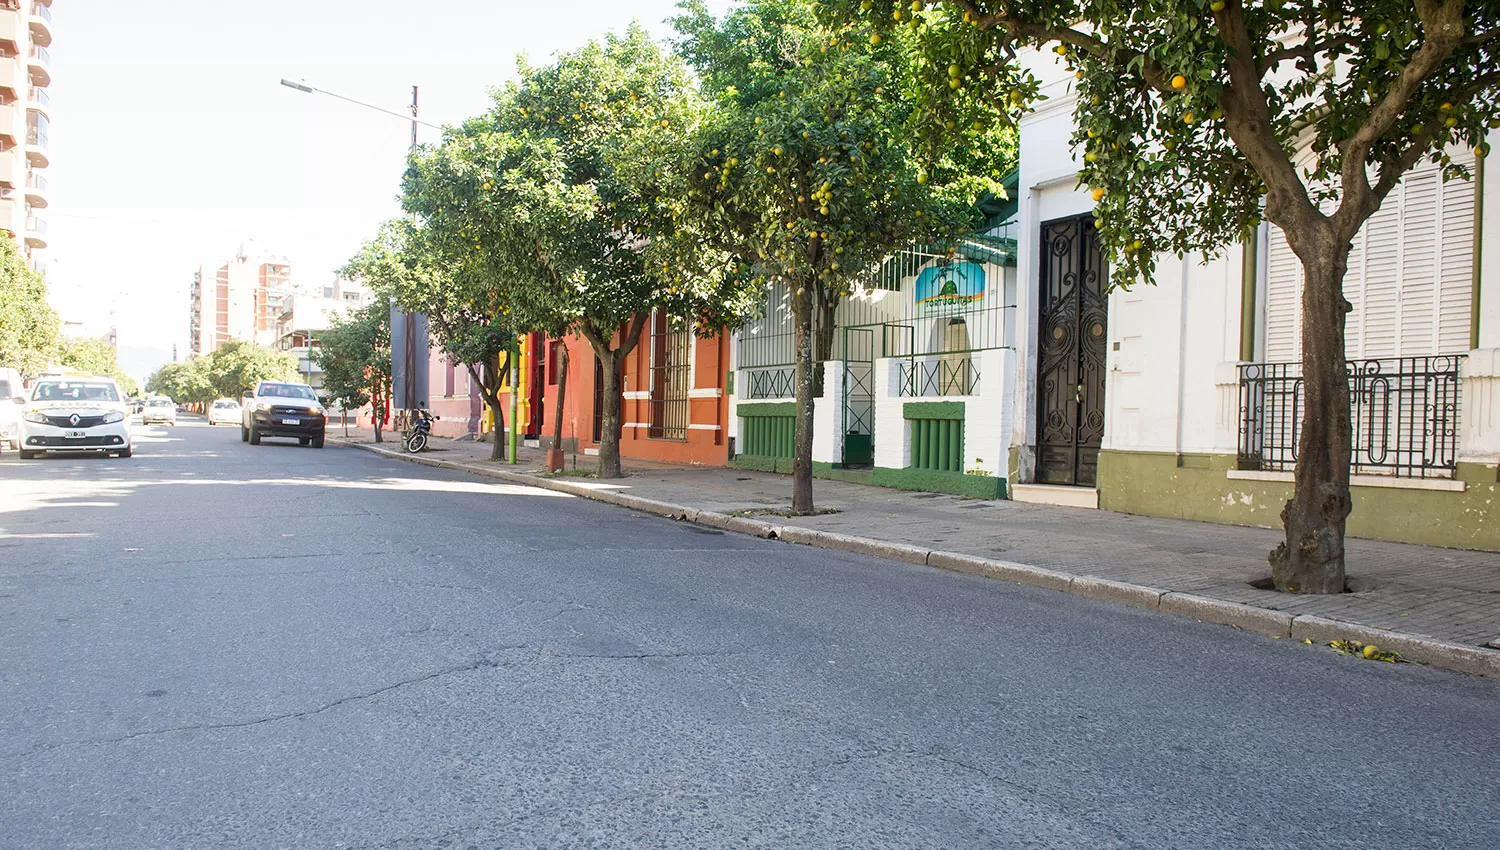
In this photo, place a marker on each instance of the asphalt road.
(213, 645)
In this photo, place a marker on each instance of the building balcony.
(36, 146)
(36, 232)
(13, 36)
(37, 99)
(8, 218)
(40, 23)
(39, 64)
(8, 133)
(36, 189)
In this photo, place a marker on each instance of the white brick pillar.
(828, 416)
(1479, 415)
(892, 441)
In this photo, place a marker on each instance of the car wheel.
(302, 441)
(25, 455)
(244, 434)
(317, 442)
(125, 453)
(254, 436)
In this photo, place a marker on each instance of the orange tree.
(559, 194)
(1198, 118)
(824, 155)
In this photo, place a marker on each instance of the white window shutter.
(1408, 280)
(1283, 301)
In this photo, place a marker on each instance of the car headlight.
(114, 417)
(35, 416)
(264, 406)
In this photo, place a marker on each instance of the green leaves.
(227, 372)
(814, 165)
(29, 332)
(354, 353)
(1183, 170)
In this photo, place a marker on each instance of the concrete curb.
(1267, 621)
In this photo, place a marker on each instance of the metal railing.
(39, 52)
(1403, 411)
(39, 95)
(945, 376)
(773, 382)
(36, 136)
(43, 11)
(35, 225)
(36, 181)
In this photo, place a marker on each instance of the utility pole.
(409, 401)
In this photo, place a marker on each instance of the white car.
(10, 413)
(159, 410)
(74, 414)
(225, 411)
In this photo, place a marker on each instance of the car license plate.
(74, 435)
(291, 421)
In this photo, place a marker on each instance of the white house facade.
(1180, 396)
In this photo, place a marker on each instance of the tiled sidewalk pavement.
(1446, 594)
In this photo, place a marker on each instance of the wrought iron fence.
(1404, 413)
(775, 382)
(941, 377)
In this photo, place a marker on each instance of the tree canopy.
(823, 155)
(354, 352)
(557, 204)
(227, 372)
(29, 327)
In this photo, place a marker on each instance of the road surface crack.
(484, 662)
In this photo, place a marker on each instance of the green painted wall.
(957, 483)
(1194, 486)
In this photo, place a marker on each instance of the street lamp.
(304, 86)
(410, 400)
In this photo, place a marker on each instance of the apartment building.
(307, 312)
(240, 299)
(25, 73)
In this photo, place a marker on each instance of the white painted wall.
(1489, 300)
(828, 416)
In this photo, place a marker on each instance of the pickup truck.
(282, 409)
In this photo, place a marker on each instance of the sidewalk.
(1423, 595)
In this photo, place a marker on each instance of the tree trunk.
(823, 343)
(497, 436)
(802, 313)
(611, 424)
(487, 377)
(562, 394)
(376, 408)
(1311, 560)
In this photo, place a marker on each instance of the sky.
(172, 140)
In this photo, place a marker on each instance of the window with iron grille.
(1403, 413)
(670, 376)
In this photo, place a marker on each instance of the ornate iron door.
(1071, 352)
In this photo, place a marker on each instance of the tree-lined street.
(233, 646)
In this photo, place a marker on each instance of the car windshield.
(75, 391)
(287, 391)
(4, 388)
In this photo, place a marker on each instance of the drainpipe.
(1249, 277)
(1479, 154)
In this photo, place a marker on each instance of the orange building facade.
(675, 406)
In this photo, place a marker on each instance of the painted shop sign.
(953, 288)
